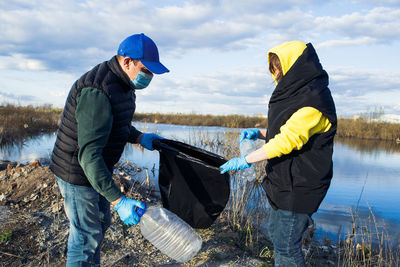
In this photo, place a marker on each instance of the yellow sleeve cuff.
(270, 151)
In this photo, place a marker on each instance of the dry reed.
(247, 209)
(247, 214)
(18, 123)
(193, 119)
(368, 244)
(368, 129)
(359, 128)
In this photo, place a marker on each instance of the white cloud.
(357, 91)
(379, 2)
(73, 36)
(19, 61)
(346, 42)
(354, 91)
(67, 30)
(7, 97)
(397, 107)
(379, 24)
(216, 93)
(188, 15)
(360, 82)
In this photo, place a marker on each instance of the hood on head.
(287, 53)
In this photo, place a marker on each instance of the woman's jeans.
(89, 216)
(286, 231)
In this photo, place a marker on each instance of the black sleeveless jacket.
(110, 78)
(299, 181)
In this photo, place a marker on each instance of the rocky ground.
(34, 229)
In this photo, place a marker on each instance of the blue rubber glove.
(251, 133)
(126, 210)
(235, 164)
(147, 140)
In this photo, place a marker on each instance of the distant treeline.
(19, 122)
(232, 121)
(368, 129)
(358, 128)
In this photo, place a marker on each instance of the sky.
(216, 50)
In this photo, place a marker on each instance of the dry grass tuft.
(18, 123)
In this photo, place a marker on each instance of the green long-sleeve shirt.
(94, 118)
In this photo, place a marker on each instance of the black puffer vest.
(299, 181)
(108, 77)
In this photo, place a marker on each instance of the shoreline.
(32, 198)
(43, 227)
(20, 122)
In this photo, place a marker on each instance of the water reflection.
(35, 148)
(42, 144)
(370, 146)
(336, 223)
(366, 174)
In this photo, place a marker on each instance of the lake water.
(366, 176)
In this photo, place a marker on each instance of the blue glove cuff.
(248, 164)
(119, 204)
(147, 140)
(256, 132)
(250, 133)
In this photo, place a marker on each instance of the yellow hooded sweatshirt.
(305, 122)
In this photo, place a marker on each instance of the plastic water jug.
(169, 233)
(246, 147)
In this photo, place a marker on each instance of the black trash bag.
(190, 182)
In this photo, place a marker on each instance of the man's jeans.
(89, 216)
(286, 231)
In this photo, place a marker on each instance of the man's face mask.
(142, 80)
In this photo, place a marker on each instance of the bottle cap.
(140, 211)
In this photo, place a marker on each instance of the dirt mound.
(34, 229)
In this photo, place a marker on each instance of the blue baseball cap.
(141, 47)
